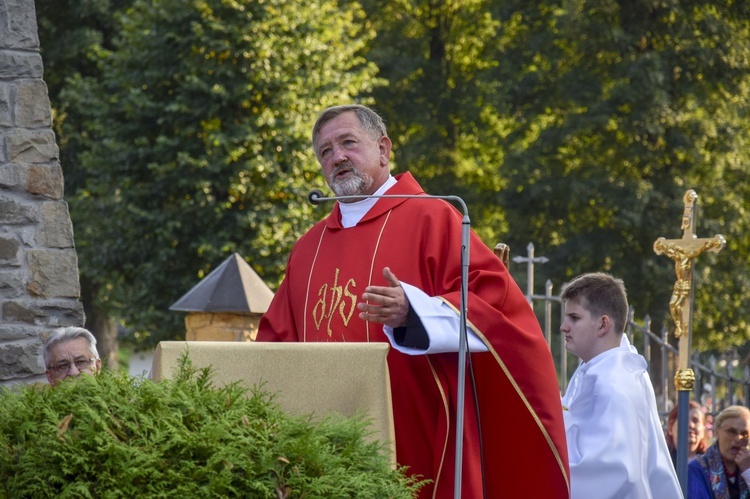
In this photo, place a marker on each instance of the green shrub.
(112, 435)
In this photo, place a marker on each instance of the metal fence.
(720, 379)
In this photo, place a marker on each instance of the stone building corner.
(39, 283)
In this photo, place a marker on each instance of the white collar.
(352, 213)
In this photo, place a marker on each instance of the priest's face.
(353, 161)
(733, 435)
(581, 330)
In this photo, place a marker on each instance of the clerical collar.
(352, 213)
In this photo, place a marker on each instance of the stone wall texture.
(39, 284)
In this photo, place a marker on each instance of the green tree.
(441, 108)
(579, 126)
(198, 143)
(618, 108)
(73, 36)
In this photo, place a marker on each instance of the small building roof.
(232, 287)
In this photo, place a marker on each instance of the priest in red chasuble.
(390, 270)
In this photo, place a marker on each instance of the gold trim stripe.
(372, 264)
(309, 280)
(447, 427)
(502, 366)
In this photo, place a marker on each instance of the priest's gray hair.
(371, 121)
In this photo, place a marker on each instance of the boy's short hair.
(600, 294)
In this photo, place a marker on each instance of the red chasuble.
(522, 431)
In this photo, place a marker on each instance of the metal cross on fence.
(530, 260)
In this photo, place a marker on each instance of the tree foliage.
(579, 127)
(112, 435)
(442, 104)
(630, 104)
(197, 142)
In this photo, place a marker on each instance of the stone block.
(46, 180)
(18, 24)
(12, 175)
(220, 327)
(13, 212)
(54, 273)
(14, 332)
(31, 146)
(56, 313)
(20, 65)
(46, 313)
(19, 359)
(12, 283)
(18, 312)
(6, 104)
(56, 230)
(8, 251)
(32, 107)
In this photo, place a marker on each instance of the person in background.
(70, 351)
(723, 472)
(616, 444)
(377, 270)
(697, 438)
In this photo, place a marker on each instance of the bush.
(112, 435)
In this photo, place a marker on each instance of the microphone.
(317, 197)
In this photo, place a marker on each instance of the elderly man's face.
(71, 358)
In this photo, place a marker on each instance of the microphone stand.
(316, 197)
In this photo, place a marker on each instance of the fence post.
(700, 374)
(730, 363)
(712, 363)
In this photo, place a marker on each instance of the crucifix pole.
(684, 251)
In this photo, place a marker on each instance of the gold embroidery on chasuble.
(333, 297)
(335, 300)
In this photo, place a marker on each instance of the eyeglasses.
(81, 365)
(734, 433)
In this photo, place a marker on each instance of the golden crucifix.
(683, 252)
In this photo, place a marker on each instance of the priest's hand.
(385, 304)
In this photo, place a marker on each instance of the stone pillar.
(39, 286)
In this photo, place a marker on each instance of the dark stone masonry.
(39, 285)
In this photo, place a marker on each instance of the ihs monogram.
(332, 300)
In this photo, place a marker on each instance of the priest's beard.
(355, 184)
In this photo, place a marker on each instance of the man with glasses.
(723, 472)
(70, 351)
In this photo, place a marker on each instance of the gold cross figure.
(683, 252)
